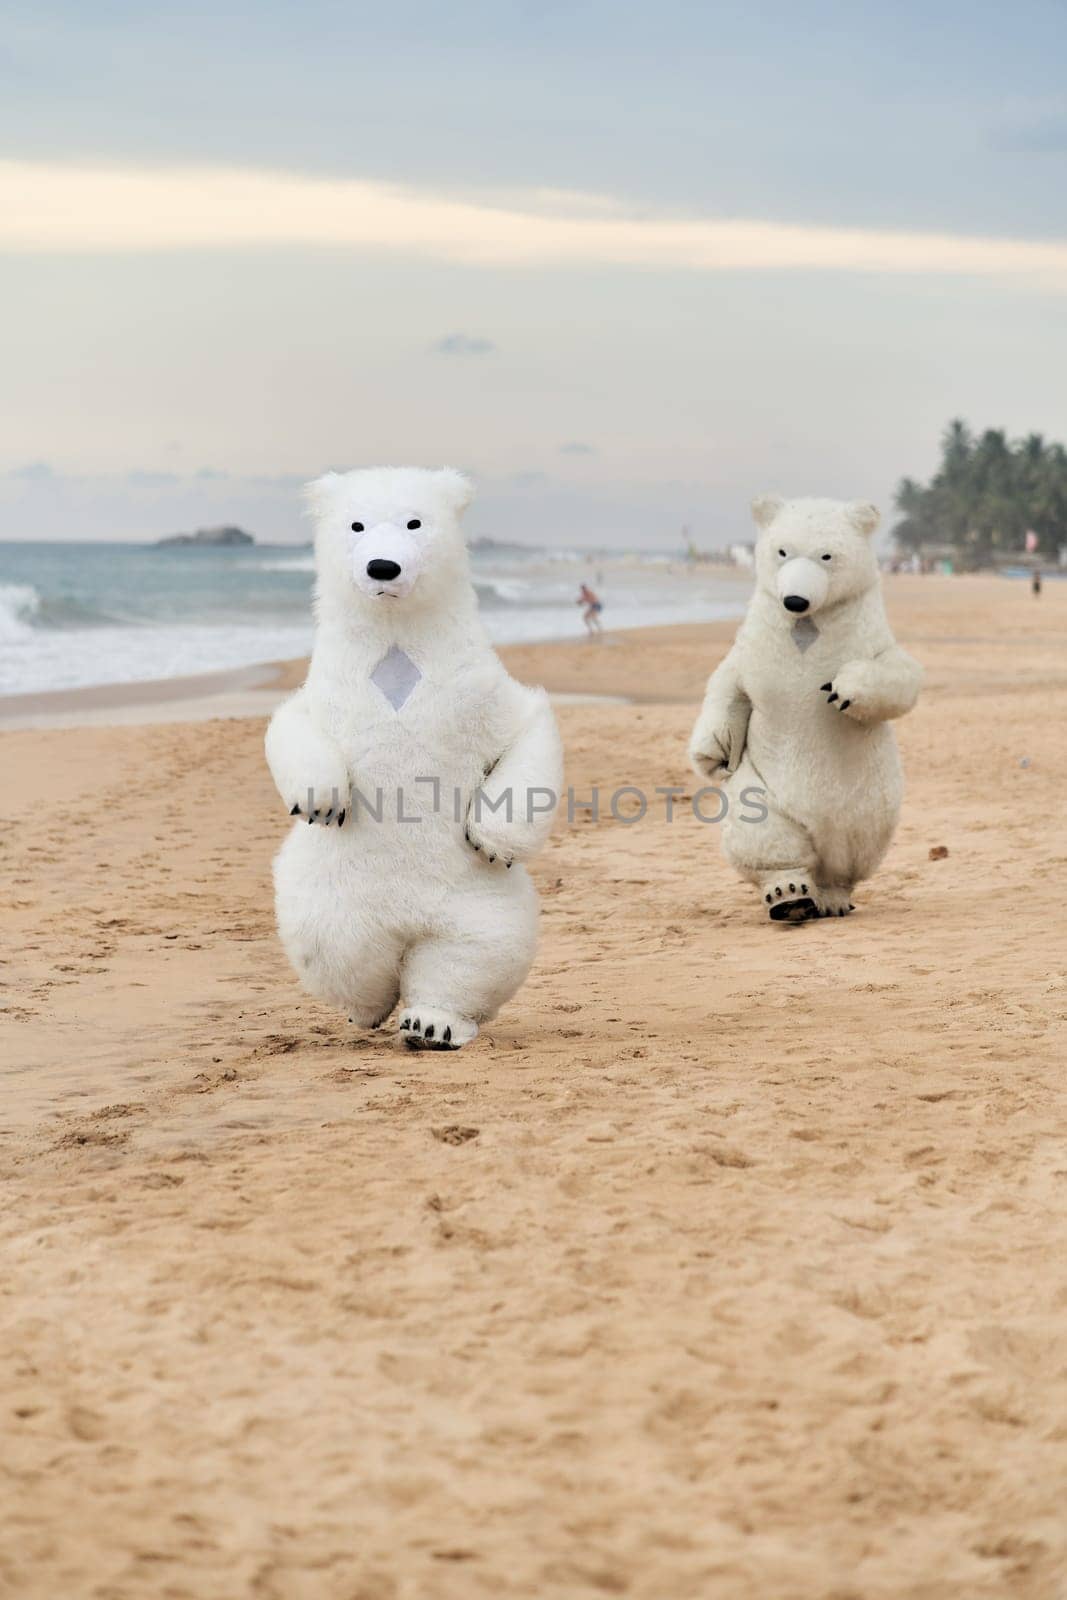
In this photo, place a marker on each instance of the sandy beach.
(728, 1264)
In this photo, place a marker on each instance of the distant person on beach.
(1035, 584)
(593, 608)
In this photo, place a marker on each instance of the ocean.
(78, 614)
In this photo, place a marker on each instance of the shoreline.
(66, 651)
(163, 699)
(612, 669)
(256, 689)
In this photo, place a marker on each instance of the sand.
(727, 1265)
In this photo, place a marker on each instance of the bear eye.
(781, 553)
(357, 527)
(826, 558)
(414, 523)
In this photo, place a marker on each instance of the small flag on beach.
(1031, 541)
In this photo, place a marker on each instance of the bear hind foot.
(790, 896)
(429, 1028)
(370, 1018)
(836, 902)
(370, 1024)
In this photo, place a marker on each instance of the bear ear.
(457, 490)
(863, 516)
(765, 508)
(319, 495)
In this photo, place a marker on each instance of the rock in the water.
(210, 536)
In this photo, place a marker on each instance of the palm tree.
(985, 496)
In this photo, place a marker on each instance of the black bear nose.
(792, 602)
(387, 569)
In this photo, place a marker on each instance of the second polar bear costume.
(799, 710)
(426, 773)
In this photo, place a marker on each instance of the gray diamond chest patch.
(805, 633)
(396, 676)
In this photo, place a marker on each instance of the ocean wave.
(64, 611)
(500, 594)
(48, 660)
(19, 604)
(24, 610)
(302, 564)
(570, 558)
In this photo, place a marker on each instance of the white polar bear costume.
(799, 709)
(426, 773)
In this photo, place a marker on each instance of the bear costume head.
(390, 536)
(814, 553)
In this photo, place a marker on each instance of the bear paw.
(371, 1022)
(850, 690)
(790, 897)
(427, 1028)
(482, 845)
(316, 803)
(712, 761)
(834, 902)
(834, 698)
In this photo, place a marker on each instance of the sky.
(629, 265)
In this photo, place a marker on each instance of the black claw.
(447, 1035)
(842, 912)
(416, 1025)
(832, 698)
(490, 858)
(509, 865)
(341, 819)
(792, 888)
(803, 888)
(312, 817)
(845, 704)
(768, 898)
(295, 812)
(405, 1025)
(851, 907)
(428, 1031)
(825, 686)
(778, 892)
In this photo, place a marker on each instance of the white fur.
(427, 912)
(829, 767)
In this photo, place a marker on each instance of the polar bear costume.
(800, 709)
(421, 774)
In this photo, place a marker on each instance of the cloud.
(461, 344)
(575, 447)
(34, 471)
(58, 208)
